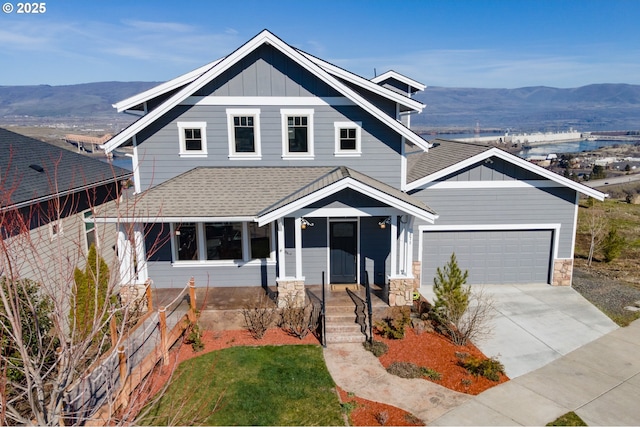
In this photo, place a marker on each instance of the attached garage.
(491, 256)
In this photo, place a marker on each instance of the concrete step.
(343, 329)
(335, 339)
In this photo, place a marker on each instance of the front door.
(343, 248)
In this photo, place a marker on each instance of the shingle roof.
(63, 171)
(207, 192)
(443, 154)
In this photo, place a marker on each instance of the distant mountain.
(81, 102)
(593, 107)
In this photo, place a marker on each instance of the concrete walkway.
(600, 381)
(358, 371)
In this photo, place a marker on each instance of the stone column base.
(290, 292)
(416, 269)
(400, 291)
(136, 295)
(562, 272)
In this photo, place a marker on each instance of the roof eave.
(581, 188)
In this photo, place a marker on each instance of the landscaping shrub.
(378, 348)
(489, 368)
(411, 370)
(458, 312)
(295, 320)
(258, 316)
(613, 244)
(382, 417)
(393, 326)
(194, 337)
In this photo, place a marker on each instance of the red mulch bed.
(434, 351)
(427, 349)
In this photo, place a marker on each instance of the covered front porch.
(291, 228)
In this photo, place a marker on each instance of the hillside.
(593, 107)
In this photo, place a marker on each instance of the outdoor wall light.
(305, 224)
(384, 222)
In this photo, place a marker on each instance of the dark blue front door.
(343, 248)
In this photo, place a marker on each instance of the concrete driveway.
(536, 324)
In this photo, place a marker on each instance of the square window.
(193, 139)
(348, 138)
(223, 240)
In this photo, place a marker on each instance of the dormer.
(398, 83)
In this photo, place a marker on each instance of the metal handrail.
(367, 287)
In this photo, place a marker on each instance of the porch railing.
(364, 309)
(318, 314)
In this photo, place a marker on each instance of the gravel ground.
(609, 295)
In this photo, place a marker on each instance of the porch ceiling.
(249, 193)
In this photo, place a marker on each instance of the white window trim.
(348, 125)
(89, 219)
(307, 112)
(202, 255)
(203, 131)
(53, 233)
(235, 112)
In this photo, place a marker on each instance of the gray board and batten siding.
(257, 75)
(525, 254)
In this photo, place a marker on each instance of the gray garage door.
(492, 257)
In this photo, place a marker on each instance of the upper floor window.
(348, 138)
(193, 139)
(244, 133)
(297, 133)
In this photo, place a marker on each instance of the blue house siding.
(552, 205)
(166, 274)
(374, 250)
(158, 145)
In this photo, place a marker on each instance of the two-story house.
(271, 166)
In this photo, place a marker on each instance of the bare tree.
(43, 350)
(596, 224)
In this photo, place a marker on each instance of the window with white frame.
(220, 241)
(297, 133)
(55, 229)
(348, 138)
(244, 133)
(193, 139)
(91, 237)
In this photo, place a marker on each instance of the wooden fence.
(109, 382)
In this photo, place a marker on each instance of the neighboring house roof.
(413, 84)
(446, 157)
(32, 171)
(304, 60)
(253, 193)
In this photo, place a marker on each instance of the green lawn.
(268, 385)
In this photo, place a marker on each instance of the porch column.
(281, 252)
(394, 245)
(141, 256)
(298, 243)
(290, 289)
(125, 257)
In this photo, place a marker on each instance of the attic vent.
(36, 168)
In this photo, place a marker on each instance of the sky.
(448, 43)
